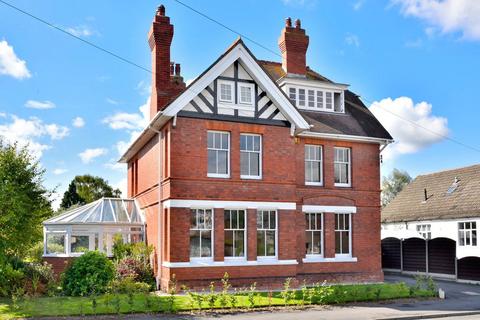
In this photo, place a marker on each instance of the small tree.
(24, 202)
(393, 184)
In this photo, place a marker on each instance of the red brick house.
(264, 170)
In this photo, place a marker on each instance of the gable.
(271, 105)
(208, 103)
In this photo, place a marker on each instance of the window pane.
(328, 100)
(194, 243)
(193, 219)
(226, 219)
(474, 238)
(208, 219)
(55, 243)
(315, 170)
(239, 243)
(217, 141)
(244, 163)
(206, 243)
(210, 139)
(338, 242)
(241, 219)
(301, 97)
(254, 164)
(222, 162)
(345, 242)
(317, 246)
(260, 243)
(234, 215)
(307, 221)
(256, 143)
(319, 221)
(228, 244)
(272, 220)
(270, 243)
(308, 242)
(320, 99)
(311, 98)
(243, 142)
(265, 220)
(259, 219)
(292, 94)
(224, 137)
(212, 161)
(79, 243)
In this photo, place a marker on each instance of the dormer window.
(226, 91)
(331, 100)
(245, 93)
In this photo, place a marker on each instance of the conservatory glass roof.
(102, 211)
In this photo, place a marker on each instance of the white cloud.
(78, 122)
(42, 105)
(88, 155)
(449, 16)
(59, 171)
(352, 40)
(399, 120)
(56, 198)
(10, 64)
(31, 133)
(358, 5)
(81, 31)
(122, 145)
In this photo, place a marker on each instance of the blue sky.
(77, 106)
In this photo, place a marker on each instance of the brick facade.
(184, 176)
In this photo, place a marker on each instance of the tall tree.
(24, 201)
(87, 188)
(393, 184)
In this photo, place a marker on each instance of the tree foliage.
(393, 184)
(85, 189)
(24, 201)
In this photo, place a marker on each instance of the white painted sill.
(322, 259)
(317, 184)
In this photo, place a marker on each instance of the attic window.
(454, 186)
(329, 100)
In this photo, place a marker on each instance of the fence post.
(401, 255)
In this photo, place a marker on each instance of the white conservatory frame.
(100, 221)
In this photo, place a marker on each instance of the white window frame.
(245, 234)
(212, 234)
(252, 93)
(260, 155)
(265, 231)
(231, 84)
(295, 97)
(309, 229)
(467, 234)
(220, 175)
(91, 242)
(66, 249)
(320, 161)
(349, 254)
(425, 230)
(349, 162)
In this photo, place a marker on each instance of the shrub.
(172, 290)
(91, 272)
(41, 278)
(35, 253)
(252, 293)
(287, 293)
(10, 279)
(139, 271)
(212, 296)
(129, 285)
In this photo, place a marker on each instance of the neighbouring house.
(431, 226)
(265, 170)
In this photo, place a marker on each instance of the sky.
(415, 63)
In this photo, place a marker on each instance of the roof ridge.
(447, 170)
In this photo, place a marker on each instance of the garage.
(469, 268)
(414, 255)
(441, 256)
(391, 254)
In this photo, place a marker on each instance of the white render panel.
(438, 228)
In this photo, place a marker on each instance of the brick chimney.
(167, 82)
(293, 43)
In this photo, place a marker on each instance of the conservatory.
(93, 226)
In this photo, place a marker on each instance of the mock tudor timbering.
(237, 173)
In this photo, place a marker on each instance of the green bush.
(10, 279)
(88, 274)
(129, 285)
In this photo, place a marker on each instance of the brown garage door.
(414, 255)
(469, 268)
(391, 258)
(441, 256)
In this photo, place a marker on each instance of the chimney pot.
(161, 10)
(177, 69)
(288, 22)
(172, 66)
(298, 24)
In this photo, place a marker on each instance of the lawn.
(149, 303)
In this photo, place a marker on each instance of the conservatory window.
(79, 243)
(55, 243)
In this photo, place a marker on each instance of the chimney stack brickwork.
(293, 43)
(166, 84)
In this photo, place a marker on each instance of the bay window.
(218, 146)
(266, 233)
(313, 233)
(201, 233)
(234, 235)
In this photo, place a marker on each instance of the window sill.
(251, 177)
(55, 255)
(321, 259)
(222, 176)
(342, 185)
(317, 184)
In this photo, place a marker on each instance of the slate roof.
(356, 121)
(463, 202)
